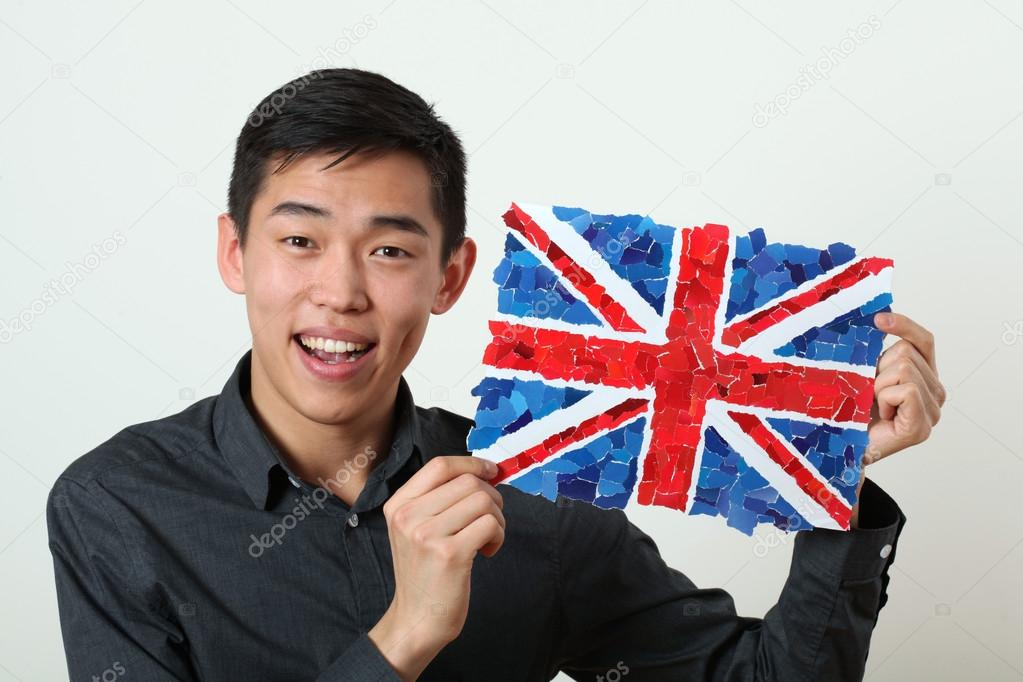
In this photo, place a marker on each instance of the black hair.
(345, 111)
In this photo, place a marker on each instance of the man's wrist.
(403, 646)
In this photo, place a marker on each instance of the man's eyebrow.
(299, 208)
(401, 222)
(398, 221)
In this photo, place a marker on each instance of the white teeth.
(332, 345)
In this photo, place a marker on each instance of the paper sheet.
(699, 368)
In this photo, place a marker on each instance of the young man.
(312, 523)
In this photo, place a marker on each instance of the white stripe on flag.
(755, 457)
(818, 315)
(602, 399)
(791, 293)
(577, 248)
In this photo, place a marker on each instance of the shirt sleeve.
(105, 623)
(361, 662)
(622, 608)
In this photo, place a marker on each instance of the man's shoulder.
(146, 444)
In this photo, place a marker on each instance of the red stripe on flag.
(605, 421)
(835, 505)
(813, 391)
(581, 279)
(735, 334)
(701, 280)
(556, 354)
(685, 369)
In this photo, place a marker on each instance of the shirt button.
(885, 551)
(353, 520)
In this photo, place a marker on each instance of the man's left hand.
(908, 395)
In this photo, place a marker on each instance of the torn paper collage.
(705, 369)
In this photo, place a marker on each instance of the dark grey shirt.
(184, 549)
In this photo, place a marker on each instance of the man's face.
(348, 257)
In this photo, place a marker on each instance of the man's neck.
(338, 457)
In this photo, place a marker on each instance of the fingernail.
(884, 319)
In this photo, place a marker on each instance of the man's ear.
(456, 276)
(229, 254)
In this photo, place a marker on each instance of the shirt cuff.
(361, 662)
(861, 553)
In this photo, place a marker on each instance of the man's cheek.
(415, 330)
(266, 305)
(275, 288)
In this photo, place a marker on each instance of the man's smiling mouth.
(332, 352)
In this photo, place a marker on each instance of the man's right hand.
(437, 522)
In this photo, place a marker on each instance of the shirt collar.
(253, 458)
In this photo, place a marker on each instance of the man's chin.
(334, 403)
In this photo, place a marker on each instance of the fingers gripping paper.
(694, 368)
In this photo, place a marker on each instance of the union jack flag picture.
(694, 368)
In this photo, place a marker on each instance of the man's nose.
(339, 283)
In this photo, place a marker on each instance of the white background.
(121, 116)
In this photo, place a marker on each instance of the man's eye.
(296, 241)
(391, 251)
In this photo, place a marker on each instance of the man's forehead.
(397, 168)
(389, 183)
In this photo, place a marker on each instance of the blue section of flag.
(762, 272)
(833, 451)
(636, 248)
(506, 405)
(850, 338)
(527, 288)
(602, 472)
(729, 487)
